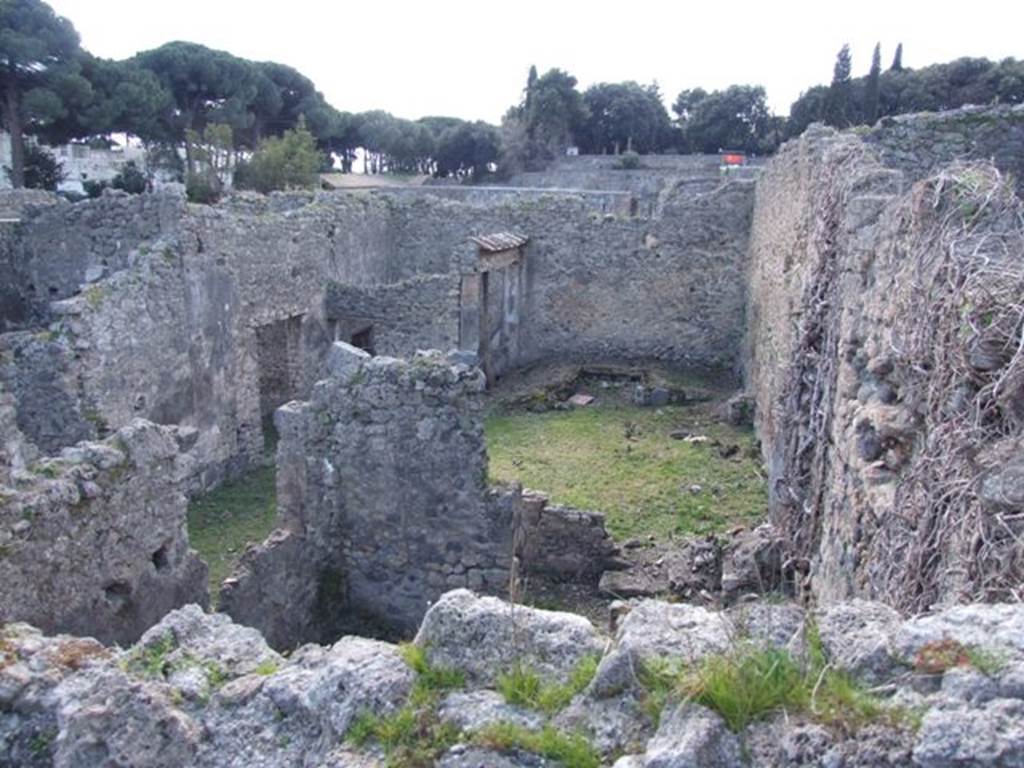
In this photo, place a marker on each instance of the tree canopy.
(735, 118)
(625, 116)
(38, 72)
(56, 92)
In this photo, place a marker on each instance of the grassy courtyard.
(621, 460)
(222, 523)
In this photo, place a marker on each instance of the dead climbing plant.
(961, 346)
(808, 392)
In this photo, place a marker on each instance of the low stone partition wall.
(94, 541)
(561, 542)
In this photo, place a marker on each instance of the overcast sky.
(470, 59)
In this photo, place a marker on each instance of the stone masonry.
(384, 505)
(93, 541)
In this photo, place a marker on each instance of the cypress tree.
(837, 104)
(871, 87)
(897, 60)
(531, 82)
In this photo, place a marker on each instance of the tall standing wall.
(884, 355)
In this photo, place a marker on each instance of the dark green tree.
(557, 112)
(838, 104)
(897, 59)
(291, 96)
(42, 169)
(736, 118)
(807, 109)
(531, 83)
(467, 150)
(624, 116)
(871, 86)
(38, 73)
(208, 86)
(121, 97)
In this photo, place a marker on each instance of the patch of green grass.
(149, 661)
(620, 460)
(225, 521)
(523, 687)
(414, 736)
(41, 743)
(750, 682)
(430, 680)
(989, 663)
(660, 681)
(266, 668)
(570, 750)
(411, 737)
(745, 686)
(94, 296)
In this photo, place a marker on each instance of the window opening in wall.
(363, 339)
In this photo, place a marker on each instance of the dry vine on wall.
(961, 350)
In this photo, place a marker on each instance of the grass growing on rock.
(570, 750)
(222, 523)
(620, 460)
(750, 682)
(414, 736)
(523, 687)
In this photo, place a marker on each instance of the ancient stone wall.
(174, 335)
(93, 541)
(383, 505)
(38, 370)
(923, 143)
(417, 313)
(161, 306)
(382, 475)
(884, 338)
(61, 246)
(608, 287)
(620, 202)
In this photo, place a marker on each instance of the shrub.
(130, 179)
(94, 188)
(203, 188)
(628, 161)
(289, 162)
(42, 169)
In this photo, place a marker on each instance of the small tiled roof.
(500, 241)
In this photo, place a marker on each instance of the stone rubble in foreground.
(199, 690)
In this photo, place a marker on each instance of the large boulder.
(485, 636)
